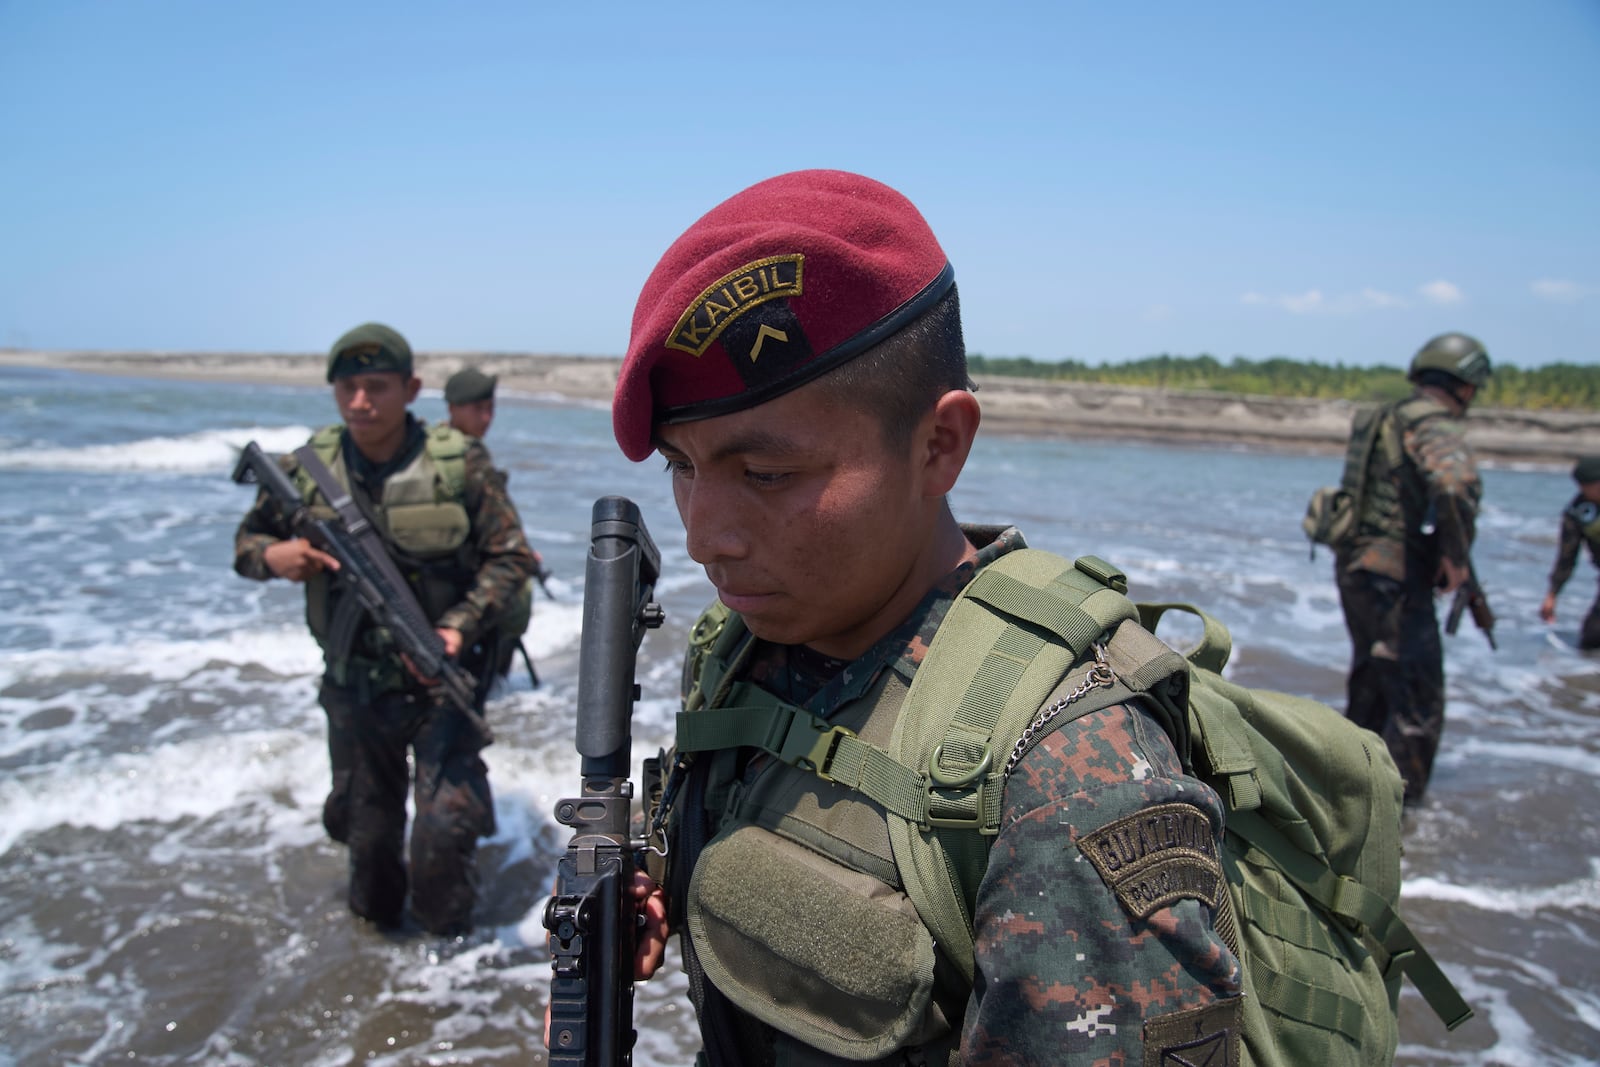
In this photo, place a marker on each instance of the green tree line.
(1557, 386)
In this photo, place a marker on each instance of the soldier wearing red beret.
(797, 359)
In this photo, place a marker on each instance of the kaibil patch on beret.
(771, 288)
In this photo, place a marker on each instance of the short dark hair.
(900, 379)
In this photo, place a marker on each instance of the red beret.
(768, 290)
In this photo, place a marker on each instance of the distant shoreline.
(1015, 406)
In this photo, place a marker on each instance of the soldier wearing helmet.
(1580, 525)
(1416, 493)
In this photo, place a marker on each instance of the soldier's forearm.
(250, 556)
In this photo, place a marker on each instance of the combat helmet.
(1463, 358)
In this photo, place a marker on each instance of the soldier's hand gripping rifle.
(1470, 596)
(366, 568)
(591, 916)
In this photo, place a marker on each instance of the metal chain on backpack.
(1100, 675)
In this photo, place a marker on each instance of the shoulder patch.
(1157, 856)
(1196, 1037)
(731, 296)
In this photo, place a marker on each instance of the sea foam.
(196, 453)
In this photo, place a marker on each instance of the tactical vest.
(1312, 857)
(1374, 461)
(862, 996)
(421, 516)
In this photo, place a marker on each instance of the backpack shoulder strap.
(1023, 628)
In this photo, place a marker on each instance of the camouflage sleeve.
(1090, 931)
(1567, 553)
(1439, 449)
(505, 560)
(264, 525)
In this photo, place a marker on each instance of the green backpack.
(1333, 513)
(1312, 849)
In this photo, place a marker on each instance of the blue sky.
(1334, 182)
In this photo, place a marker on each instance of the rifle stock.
(591, 915)
(387, 599)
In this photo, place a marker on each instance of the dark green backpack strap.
(752, 717)
(1357, 906)
(1011, 639)
(1227, 759)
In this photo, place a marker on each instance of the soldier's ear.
(413, 387)
(944, 439)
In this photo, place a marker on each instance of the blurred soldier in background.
(470, 396)
(1580, 525)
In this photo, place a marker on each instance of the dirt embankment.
(1010, 405)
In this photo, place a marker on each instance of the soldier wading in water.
(447, 522)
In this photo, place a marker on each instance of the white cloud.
(1308, 301)
(1441, 292)
(1316, 302)
(1560, 290)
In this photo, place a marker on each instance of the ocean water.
(167, 895)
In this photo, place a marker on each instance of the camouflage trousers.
(1396, 685)
(366, 808)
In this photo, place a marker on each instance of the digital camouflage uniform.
(1420, 473)
(376, 709)
(1063, 974)
(1580, 525)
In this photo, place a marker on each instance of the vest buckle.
(807, 746)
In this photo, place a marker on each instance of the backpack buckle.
(972, 784)
(806, 746)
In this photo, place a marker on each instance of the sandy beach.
(1010, 405)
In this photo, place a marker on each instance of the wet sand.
(1010, 405)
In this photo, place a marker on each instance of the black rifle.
(374, 580)
(591, 916)
(1470, 595)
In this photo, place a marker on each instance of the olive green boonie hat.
(468, 386)
(1587, 469)
(370, 348)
